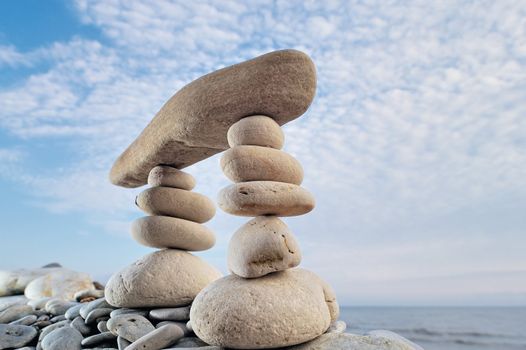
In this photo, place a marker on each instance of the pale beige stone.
(168, 277)
(61, 284)
(168, 232)
(279, 309)
(258, 198)
(168, 176)
(256, 163)
(193, 124)
(257, 130)
(15, 282)
(177, 203)
(261, 246)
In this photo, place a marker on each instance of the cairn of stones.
(265, 303)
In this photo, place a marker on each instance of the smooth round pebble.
(180, 324)
(259, 198)
(15, 312)
(61, 283)
(56, 306)
(149, 282)
(255, 163)
(102, 326)
(73, 311)
(167, 176)
(65, 338)
(97, 314)
(51, 328)
(261, 246)
(16, 336)
(177, 203)
(129, 326)
(169, 232)
(258, 130)
(124, 310)
(171, 314)
(286, 308)
(79, 324)
(158, 339)
(26, 320)
(92, 305)
(97, 339)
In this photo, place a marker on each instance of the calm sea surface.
(445, 328)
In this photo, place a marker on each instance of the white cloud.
(419, 113)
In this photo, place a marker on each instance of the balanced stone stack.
(170, 277)
(264, 303)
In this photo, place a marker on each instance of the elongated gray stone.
(15, 312)
(92, 305)
(171, 314)
(26, 320)
(79, 325)
(97, 313)
(193, 124)
(98, 338)
(158, 339)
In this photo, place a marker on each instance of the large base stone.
(168, 277)
(280, 309)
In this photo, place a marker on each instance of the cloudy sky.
(415, 146)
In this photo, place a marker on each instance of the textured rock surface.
(256, 163)
(261, 246)
(346, 341)
(167, 277)
(129, 326)
(257, 130)
(168, 176)
(60, 284)
(176, 203)
(15, 336)
(279, 309)
(168, 232)
(193, 124)
(258, 198)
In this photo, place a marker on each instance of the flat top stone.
(193, 123)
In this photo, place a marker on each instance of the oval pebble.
(97, 339)
(124, 310)
(171, 314)
(92, 305)
(262, 246)
(169, 232)
(259, 198)
(57, 306)
(255, 163)
(258, 130)
(167, 176)
(73, 311)
(65, 338)
(15, 312)
(158, 339)
(79, 325)
(177, 203)
(97, 313)
(130, 327)
(26, 320)
(16, 336)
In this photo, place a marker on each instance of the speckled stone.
(65, 338)
(16, 336)
(129, 326)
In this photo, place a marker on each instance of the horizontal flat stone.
(193, 124)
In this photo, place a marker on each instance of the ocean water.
(445, 328)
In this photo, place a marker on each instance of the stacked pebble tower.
(176, 213)
(266, 186)
(265, 302)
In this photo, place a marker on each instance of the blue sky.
(415, 146)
